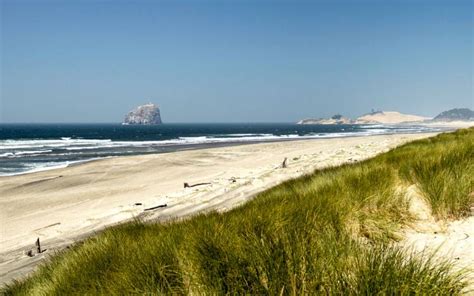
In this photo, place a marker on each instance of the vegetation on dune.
(443, 168)
(325, 233)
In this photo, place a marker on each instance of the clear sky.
(233, 61)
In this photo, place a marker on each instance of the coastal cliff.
(147, 114)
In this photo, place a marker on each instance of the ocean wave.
(20, 147)
(25, 144)
(42, 146)
(241, 135)
(21, 153)
(40, 167)
(33, 155)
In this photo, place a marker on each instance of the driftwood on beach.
(283, 165)
(157, 207)
(38, 246)
(186, 185)
(30, 253)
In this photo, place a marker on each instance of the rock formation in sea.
(147, 114)
(336, 119)
(457, 114)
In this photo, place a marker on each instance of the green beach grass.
(329, 232)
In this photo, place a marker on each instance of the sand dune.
(389, 117)
(448, 240)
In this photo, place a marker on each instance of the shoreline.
(198, 146)
(65, 205)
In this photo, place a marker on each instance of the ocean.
(26, 148)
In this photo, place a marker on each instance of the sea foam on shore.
(32, 148)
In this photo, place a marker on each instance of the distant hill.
(375, 117)
(388, 117)
(336, 119)
(457, 114)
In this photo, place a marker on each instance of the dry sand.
(448, 240)
(448, 124)
(64, 205)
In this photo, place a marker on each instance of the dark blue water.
(32, 147)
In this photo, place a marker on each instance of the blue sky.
(233, 61)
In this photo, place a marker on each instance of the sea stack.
(148, 114)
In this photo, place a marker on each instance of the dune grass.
(325, 233)
(443, 169)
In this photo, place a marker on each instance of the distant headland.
(393, 117)
(458, 114)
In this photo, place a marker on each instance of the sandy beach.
(64, 205)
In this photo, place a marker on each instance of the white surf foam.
(66, 146)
